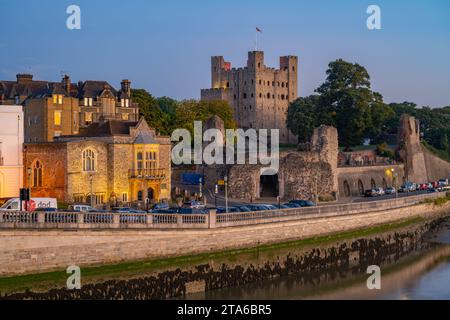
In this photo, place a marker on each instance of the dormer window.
(124, 103)
(88, 102)
(57, 99)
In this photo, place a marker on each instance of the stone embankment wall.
(31, 251)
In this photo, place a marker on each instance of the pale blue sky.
(165, 46)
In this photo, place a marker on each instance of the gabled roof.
(107, 129)
(92, 89)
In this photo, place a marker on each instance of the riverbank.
(231, 258)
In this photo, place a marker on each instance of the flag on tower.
(258, 29)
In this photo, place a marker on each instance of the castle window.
(273, 83)
(260, 81)
(282, 84)
(282, 97)
(234, 97)
(273, 96)
(252, 95)
(88, 160)
(252, 81)
(250, 107)
(278, 83)
(259, 64)
(293, 68)
(268, 96)
(245, 96)
(260, 95)
(228, 84)
(37, 174)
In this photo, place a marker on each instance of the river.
(424, 274)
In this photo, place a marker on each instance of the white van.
(35, 203)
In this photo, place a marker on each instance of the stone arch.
(268, 186)
(373, 184)
(347, 192)
(151, 193)
(360, 187)
(385, 185)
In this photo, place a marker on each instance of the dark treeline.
(308, 268)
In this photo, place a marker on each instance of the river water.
(420, 275)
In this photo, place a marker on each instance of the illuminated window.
(124, 197)
(55, 99)
(60, 99)
(88, 160)
(37, 174)
(150, 160)
(125, 116)
(99, 198)
(127, 103)
(57, 118)
(88, 117)
(78, 198)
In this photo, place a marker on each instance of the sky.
(164, 46)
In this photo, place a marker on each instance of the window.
(57, 117)
(88, 160)
(139, 158)
(88, 102)
(150, 160)
(245, 96)
(88, 117)
(57, 134)
(55, 99)
(78, 198)
(37, 174)
(124, 197)
(60, 99)
(268, 95)
(125, 116)
(99, 198)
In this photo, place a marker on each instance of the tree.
(149, 109)
(301, 119)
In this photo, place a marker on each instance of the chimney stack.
(126, 86)
(66, 83)
(24, 78)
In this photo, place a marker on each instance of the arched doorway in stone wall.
(150, 194)
(268, 186)
(373, 184)
(360, 187)
(385, 185)
(347, 192)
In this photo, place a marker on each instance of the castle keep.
(259, 95)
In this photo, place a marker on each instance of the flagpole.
(256, 40)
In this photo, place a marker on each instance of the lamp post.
(395, 175)
(91, 177)
(225, 179)
(29, 184)
(200, 195)
(216, 191)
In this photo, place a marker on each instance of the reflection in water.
(424, 274)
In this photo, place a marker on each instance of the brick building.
(52, 109)
(259, 95)
(115, 162)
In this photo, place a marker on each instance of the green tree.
(301, 118)
(149, 109)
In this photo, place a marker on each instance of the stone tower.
(259, 95)
(410, 149)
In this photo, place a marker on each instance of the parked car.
(408, 187)
(193, 210)
(121, 209)
(432, 190)
(443, 182)
(378, 192)
(35, 203)
(368, 193)
(244, 208)
(390, 190)
(161, 206)
(304, 203)
(291, 205)
(80, 208)
(193, 205)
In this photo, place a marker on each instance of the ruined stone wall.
(437, 168)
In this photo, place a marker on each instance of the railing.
(108, 220)
(148, 174)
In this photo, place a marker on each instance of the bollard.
(116, 220)
(80, 218)
(41, 217)
(149, 220)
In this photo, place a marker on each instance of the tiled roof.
(107, 129)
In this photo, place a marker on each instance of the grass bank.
(43, 281)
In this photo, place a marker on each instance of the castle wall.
(259, 95)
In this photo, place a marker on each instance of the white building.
(11, 146)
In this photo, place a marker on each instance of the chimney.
(24, 78)
(126, 86)
(66, 83)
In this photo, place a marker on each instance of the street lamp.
(91, 177)
(200, 180)
(225, 180)
(395, 175)
(216, 191)
(29, 171)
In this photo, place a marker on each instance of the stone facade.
(53, 109)
(305, 175)
(131, 164)
(259, 95)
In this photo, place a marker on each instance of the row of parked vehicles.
(434, 186)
